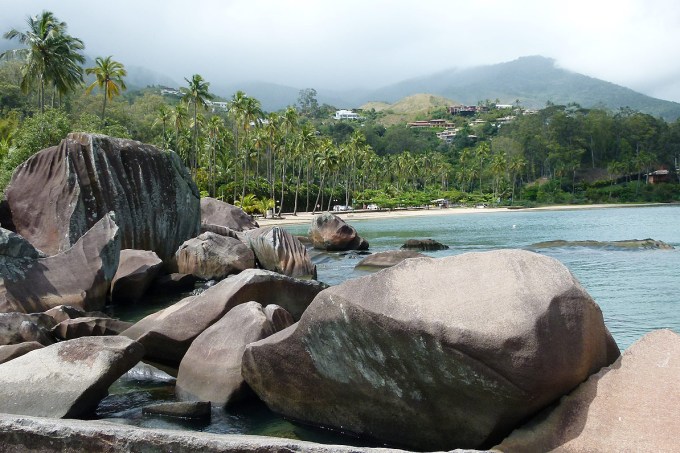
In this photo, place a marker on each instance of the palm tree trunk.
(297, 189)
(104, 108)
(318, 195)
(283, 183)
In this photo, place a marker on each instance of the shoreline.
(348, 216)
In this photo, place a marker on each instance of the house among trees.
(659, 176)
(431, 123)
(346, 115)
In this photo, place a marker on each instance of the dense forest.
(301, 159)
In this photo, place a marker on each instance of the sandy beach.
(306, 217)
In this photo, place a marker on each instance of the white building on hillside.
(346, 115)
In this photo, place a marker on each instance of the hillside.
(533, 81)
(410, 108)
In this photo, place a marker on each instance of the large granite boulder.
(634, 405)
(279, 251)
(330, 232)
(80, 276)
(62, 191)
(216, 212)
(435, 353)
(67, 379)
(388, 258)
(212, 256)
(168, 333)
(136, 272)
(211, 368)
(21, 327)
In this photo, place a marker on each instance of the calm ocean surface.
(637, 290)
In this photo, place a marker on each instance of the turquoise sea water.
(638, 290)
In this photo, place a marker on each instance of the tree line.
(298, 159)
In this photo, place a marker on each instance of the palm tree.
(50, 56)
(196, 94)
(164, 115)
(109, 74)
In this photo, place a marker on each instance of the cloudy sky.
(371, 43)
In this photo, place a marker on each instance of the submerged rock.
(631, 244)
(67, 379)
(61, 192)
(424, 245)
(435, 353)
(389, 258)
(633, 404)
(194, 410)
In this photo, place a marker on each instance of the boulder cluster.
(425, 354)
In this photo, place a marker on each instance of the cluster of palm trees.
(52, 60)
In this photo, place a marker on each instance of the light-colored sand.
(306, 217)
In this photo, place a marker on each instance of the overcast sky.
(372, 43)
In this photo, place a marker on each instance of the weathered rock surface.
(61, 192)
(279, 251)
(219, 213)
(424, 245)
(211, 368)
(67, 379)
(212, 256)
(46, 435)
(63, 312)
(80, 276)
(278, 316)
(389, 258)
(88, 326)
(168, 333)
(630, 244)
(16, 254)
(12, 351)
(136, 272)
(435, 353)
(20, 327)
(330, 232)
(634, 404)
(184, 409)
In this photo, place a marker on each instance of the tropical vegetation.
(300, 159)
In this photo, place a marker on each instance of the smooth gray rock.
(137, 269)
(12, 351)
(211, 368)
(168, 333)
(633, 405)
(435, 353)
(389, 258)
(67, 379)
(330, 232)
(80, 276)
(36, 434)
(223, 214)
(279, 251)
(212, 256)
(88, 326)
(278, 316)
(424, 245)
(62, 191)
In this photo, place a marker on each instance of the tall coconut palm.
(50, 55)
(196, 94)
(109, 74)
(164, 115)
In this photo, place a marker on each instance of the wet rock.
(137, 270)
(211, 368)
(219, 213)
(330, 232)
(631, 244)
(194, 410)
(61, 192)
(168, 333)
(424, 245)
(479, 342)
(212, 256)
(389, 258)
(633, 404)
(277, 250)
(12, 351)
(80, 276)
(67, 379)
